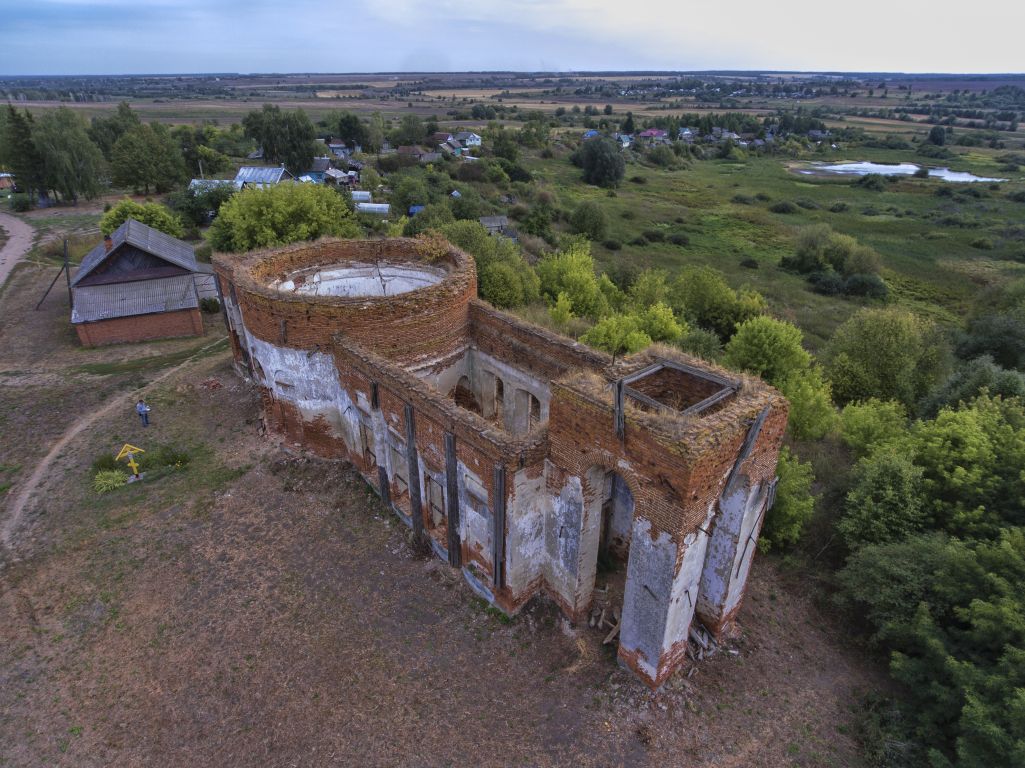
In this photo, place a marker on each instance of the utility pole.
(66, 269)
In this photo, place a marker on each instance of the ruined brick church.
(529, 461)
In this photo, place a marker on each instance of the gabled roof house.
(138, 284)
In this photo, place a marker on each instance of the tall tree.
(602, 162)
(375, 133)
(411, 130)
(18, 152)
(105, 131)
(147, 156)
(286, 137)
(351, 130)
(72, 165)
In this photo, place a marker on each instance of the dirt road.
(19, 241)
(10, 522)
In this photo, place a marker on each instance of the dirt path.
(19, 241)
(9, 525)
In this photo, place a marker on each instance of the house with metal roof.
(138, 284)
(261, 176)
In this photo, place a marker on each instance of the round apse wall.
(399, 298)
(355, 280)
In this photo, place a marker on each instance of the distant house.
(318, 168)
(261, 176)
(138, 284)
(816, 135)
(495, 225)
(430, 157)
(468, 139)
(451, 147)
(592, 134)
(6, 181)
(653, 136)
(339, 178)
(623, 139)
(439, 137)
(686, 135)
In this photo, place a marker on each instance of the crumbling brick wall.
(518, 507)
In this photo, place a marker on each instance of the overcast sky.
(157, 36)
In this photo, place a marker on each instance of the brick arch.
(591, 521)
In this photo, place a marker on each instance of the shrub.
(740, 199)
(1017, 196)
(794, 505)
(21, 202)
(639, 240)
(680, 239)
(885, 501)
(749, 263)
(873, 181)
(638, 180)
(768, 348)
(617, 335)
(589, 219)
(702, 295)
(654, 235)
(151, 214)
(971, 379)
(826, 283)
(204, 252)
(889, 354)
(982, 243)
(763, 197)
(571, 271)
(210, 305)
(839, 207)
(809, 205)
(613, 245)
(105, 462)
(163, 456)
(869, 286)
(701, 343)
(873, 422)
(812, 414)
(784, 206)
(108, 480)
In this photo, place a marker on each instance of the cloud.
(98, 36)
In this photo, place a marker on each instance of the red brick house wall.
(164, 325)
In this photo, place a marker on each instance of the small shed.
(495, 225)
(138, 284)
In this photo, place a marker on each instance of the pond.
(891, 169)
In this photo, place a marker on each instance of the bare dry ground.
(256, 607)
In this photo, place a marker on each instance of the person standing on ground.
(143, 410)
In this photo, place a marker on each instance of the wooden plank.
(455, 555)
(413, 474)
